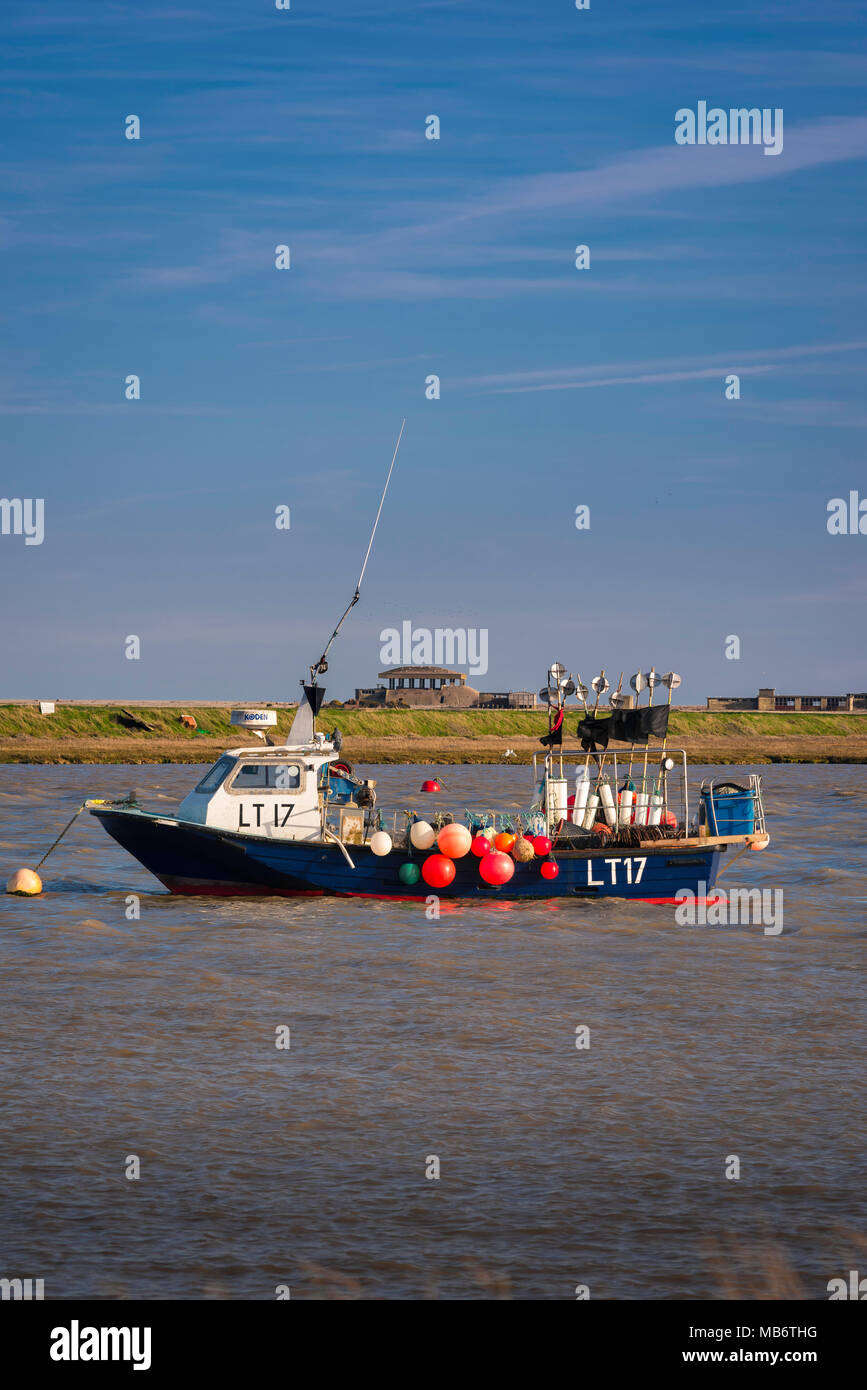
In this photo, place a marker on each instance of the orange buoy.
(25, 883)
(454, 841)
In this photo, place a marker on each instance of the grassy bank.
(97, 734)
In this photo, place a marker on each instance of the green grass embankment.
(97, 734)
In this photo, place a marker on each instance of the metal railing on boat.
(604, 761)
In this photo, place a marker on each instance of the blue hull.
(193, 859)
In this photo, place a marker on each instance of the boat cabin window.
(267, 777)
(211, 780)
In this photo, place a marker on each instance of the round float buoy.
(422, 834)
(438, 870)
(550, 869)
(25, 883)
(504, 841)
(454, 841)
(380, 843)
(542, 845)
(496, 867)
(522, 850)
(431, 785)
(481, 845)
(409, 873)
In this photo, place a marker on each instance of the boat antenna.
(321, 666)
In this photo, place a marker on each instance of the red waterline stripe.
(224, 891)
(241, 891)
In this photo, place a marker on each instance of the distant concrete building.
(422, 687)
(435, 687)
(768, 701)
(508, 699)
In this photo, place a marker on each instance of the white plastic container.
(590, 813)
(641, 799)
(627, 802)
(655, 812)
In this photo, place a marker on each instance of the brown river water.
(306, 1167)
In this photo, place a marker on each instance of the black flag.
(639, 725)
(594, 733)
(555, 733)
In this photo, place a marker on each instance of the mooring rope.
(61, 835)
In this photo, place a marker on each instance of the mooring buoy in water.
(25, 882)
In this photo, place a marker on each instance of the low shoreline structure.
(177, 733)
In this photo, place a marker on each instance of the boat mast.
(321, 666)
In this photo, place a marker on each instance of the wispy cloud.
(587, 376)
(419, 250)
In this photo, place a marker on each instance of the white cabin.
(276, 793)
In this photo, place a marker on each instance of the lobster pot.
(582, 791)
(609, 810)
(590, 813)
(640, 808)
(558, 796)
(655, 813)
(627, 799)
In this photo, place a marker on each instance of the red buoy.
(496, 867)
(550, 869)
(438, 871)
(542, 845)
(431, 785)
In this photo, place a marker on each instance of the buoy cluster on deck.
(497, 853)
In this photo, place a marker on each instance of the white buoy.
(25, 883)
(582, 791)
(655, 813)
(422, 834)
(640, 808)
(590, 813)
(627, 799)
(609, 810)
(380, 843)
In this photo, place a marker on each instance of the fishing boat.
(293, 818)
(280, 821)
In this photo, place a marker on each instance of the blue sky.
(410, 257)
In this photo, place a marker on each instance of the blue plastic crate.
(730, 810)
